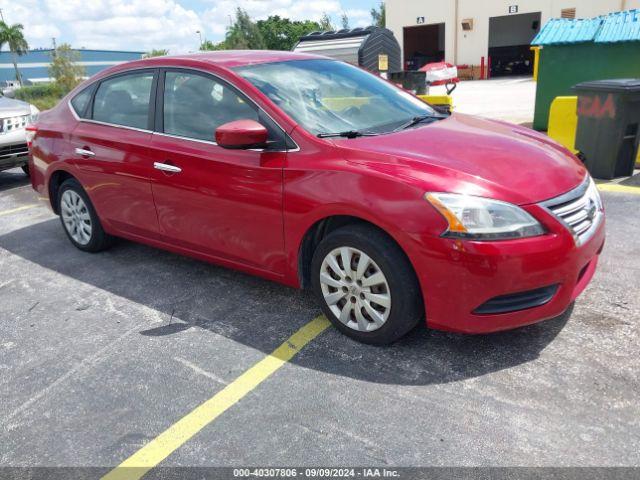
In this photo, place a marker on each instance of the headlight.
(33, 116)
(478, 218)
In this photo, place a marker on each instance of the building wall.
(403, 13)
(34, 65)
(468, 47)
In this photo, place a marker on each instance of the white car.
(15, 115)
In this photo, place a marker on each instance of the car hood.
(466, 154)
(10, 107)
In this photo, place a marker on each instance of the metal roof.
(620, 27)
(562, 30)
(615, 27)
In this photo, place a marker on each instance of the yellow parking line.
(149, 456)
(18, 209)
(616, 187)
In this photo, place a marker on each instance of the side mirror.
(242, 134)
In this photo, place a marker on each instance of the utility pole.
(1, 15)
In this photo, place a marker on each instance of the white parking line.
(200, 371)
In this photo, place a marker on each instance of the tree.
(345, 20)
(379, 15)
(325, 23)
(282, 33)
(65, 69)
(244, 33)
(208, 45)
(14, 38)
(156, 53)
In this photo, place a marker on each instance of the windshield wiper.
(347, 134)
(416, 120)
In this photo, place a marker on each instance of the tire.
(398, 287)
(25, 169)
(76, 210)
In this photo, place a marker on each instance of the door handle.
(84, 152)
(165, 167)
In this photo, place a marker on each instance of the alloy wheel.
(76, 217)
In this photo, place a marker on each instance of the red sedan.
(314, 173)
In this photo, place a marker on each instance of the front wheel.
(366, 285)
(25, 169)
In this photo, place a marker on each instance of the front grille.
(11, 124)
(517, 301)
(579, 210)
(578, 214)
(13, 150)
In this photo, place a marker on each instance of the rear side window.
(81, 101)
(124, 100)
(195, 105)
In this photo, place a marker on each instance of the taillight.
(30, 133)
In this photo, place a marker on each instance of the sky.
(141, 25)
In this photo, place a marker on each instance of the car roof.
(232, 58)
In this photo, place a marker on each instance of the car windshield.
(327, 96)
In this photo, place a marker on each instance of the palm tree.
(14, 38)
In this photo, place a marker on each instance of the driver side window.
(196, 105)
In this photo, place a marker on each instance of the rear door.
(111, 146)
(224, 203)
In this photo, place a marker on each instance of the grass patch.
(43, 96)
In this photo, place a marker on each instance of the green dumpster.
(608, 130)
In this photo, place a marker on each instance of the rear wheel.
(79, 218)
(365, 284)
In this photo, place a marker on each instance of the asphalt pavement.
(101, 353)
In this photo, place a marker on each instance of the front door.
(223, 203)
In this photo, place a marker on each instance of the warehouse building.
(34, 65)
(470, 32)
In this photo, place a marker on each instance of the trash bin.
(608, 131)
(410, 80)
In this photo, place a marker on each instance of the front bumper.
(457, 277)
(13, 149)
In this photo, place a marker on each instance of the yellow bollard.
(536, 62)
(563, 121)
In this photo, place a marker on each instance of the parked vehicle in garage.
(312, 172)
(15, 115)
